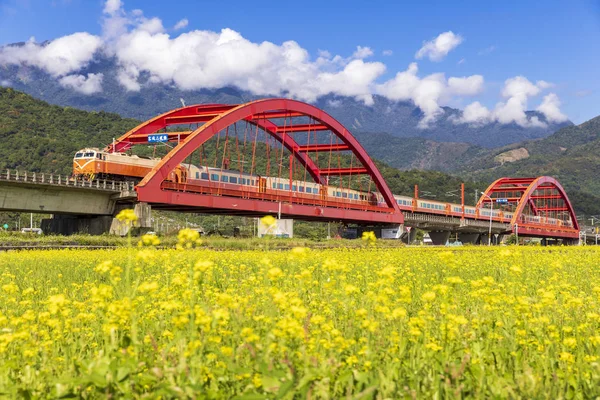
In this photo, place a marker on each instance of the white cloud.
(466, 86)
(204, 59)
(475, 114)
(550, 107)
(82, 84)
(59, 57)
(112, 7)
(439, 47)
(181, 24)
(362, 52)
(428, 92)
(387, 52)
(517, 91)
(5, 83)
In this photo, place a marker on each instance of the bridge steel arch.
(543, 195)
(216, 118)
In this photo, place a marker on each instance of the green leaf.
(251, 396)
(284, 388)
(122, 374)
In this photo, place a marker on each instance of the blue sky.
(552, 41)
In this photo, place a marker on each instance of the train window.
(89, 155)
(280, 186)
(197, 175)
(308, 190)
(287, 187)
(78, 155)
(274, 185)
(233, 179)
(345, 195)
(294, 188)
(301, 189)
(253, 182)
(338, 194)
(99, 156)
(214, 177)
(316, 190)
(204, 176)
(224, 178)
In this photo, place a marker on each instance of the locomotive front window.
(78, 155)
(89, 155)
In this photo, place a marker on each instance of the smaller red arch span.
(522, 193)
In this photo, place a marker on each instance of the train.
(93, 163)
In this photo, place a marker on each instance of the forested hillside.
(37, 136)
(572, 155)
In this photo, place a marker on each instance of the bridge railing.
(65, 180)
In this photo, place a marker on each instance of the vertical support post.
(291, 175)
(416, 198)
(462, 199)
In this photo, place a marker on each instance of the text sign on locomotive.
(159, 138)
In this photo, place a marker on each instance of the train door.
(262, 184)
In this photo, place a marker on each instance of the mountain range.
(388, 130)
(397, 119)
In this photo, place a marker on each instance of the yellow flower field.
(472, 322)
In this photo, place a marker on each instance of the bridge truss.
(299, 141)
(537, 207)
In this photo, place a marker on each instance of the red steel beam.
(302, 128)
(189, 119)
(343, 171)
(202, 203)
(323, 147)
(516, 199)
(275, 114)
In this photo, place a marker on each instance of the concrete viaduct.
(90, 207)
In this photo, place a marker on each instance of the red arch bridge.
(288, 158)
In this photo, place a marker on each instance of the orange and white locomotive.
(92, 163)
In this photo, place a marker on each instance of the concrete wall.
(49, 199)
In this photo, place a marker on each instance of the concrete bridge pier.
(484, 239)
(468, 238)
(439, 238)
(64, 224)
(144, 223)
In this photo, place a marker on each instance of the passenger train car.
(91, 163)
